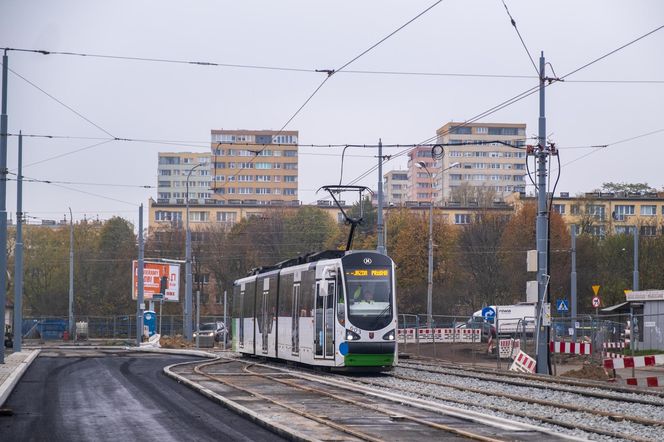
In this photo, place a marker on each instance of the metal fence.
(595, 337)
(122, 327)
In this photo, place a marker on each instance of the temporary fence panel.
(523, 363)
(634, 361)
(578, 348)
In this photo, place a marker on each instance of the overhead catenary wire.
(523, 43)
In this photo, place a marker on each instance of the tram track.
(384, 415)
(642, 396)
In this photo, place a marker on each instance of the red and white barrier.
(577, 348)
(508, 348)
(448, 335)
(634, 361)
(612, 345)
(650, 381)
(523, 363)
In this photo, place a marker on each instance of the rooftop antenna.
(354, 222)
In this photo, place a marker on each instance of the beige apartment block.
(491, 157)
(175, 169)
(254, 166)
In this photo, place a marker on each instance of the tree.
(628, 187)
(518, 238)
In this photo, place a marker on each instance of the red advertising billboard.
(153, 272)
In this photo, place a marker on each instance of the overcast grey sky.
(165, 101)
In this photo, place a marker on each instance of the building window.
(461, 218)
(290, 153)
(198, 216)
(622, 212)
(596, 231)
(560, 208)
(290, 178)
(290, 166)
(460, 130)
(481, 130)
(290, 191)
(164, 172)
(226, 217)
(201, 278)
(164, 184)
(648, 210)
(648, 230)
(595, 210)
(625, 230)
(169, 160)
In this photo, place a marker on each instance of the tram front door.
(324, 339)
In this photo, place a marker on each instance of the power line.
(44, 181)
(61, 103)
(611, 52)
(523, 43)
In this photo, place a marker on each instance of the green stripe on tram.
(370, 360)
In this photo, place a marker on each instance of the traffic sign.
(596, 301)
(562, 305)
(596, 290)
(158, 297)
(489, 314)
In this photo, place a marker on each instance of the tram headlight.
(352, 336)
(389, 336)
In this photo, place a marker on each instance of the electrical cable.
(523, 43)
(61, 103)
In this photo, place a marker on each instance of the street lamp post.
(423, 165)
(187, 282)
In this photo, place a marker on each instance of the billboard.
(153, 272)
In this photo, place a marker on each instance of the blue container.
(52, 329)
(150, 322)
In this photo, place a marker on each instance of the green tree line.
(476, 264)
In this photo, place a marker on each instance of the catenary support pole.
(573, 301)
(635, 279)
(380, 228)
(140, 304)
(18, 253)
(542, 231)
(3, 202)
(71, 275)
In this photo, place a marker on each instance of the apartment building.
(254, 165)
(173, 170)
(395, 187)
(603, 213)
(491, 157)
(422, 180)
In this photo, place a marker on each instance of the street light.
(423, 165)
(187, 281)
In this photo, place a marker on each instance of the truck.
(509, 319)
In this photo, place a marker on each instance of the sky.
(90, 100)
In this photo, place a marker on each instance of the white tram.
(334, 309)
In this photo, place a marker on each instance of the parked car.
(488, 330)
(212, 329)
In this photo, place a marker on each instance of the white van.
(511, 318)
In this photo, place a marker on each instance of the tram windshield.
(369, 295)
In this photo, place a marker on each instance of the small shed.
(648, 328)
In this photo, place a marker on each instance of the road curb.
(267, 423)
(8, 385)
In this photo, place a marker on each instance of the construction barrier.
(447, 335)
(508, 348)
(523, 363)
(612, 345)
(633, 361)
(577, 348)
(650, 381)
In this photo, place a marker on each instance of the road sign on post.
(596, 302)
(596, 289)
(562, 305)
(489, 314)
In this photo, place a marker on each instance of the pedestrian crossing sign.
(562, 306)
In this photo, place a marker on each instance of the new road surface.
(75, 395)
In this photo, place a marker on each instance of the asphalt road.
(116, 397)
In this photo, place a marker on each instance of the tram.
(333, 309)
